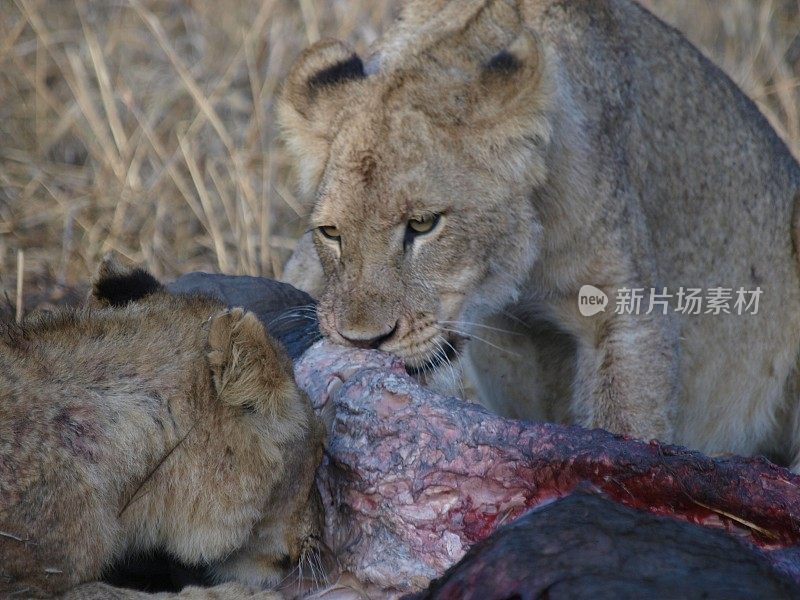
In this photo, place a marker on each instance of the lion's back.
(668, 122)
(77, 388)
(706, 180)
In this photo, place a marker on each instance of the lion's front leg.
(626, 375)
(503, 372)
(521, 369)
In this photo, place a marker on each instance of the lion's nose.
(367, 339)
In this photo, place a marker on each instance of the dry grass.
(146, 126)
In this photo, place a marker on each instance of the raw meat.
(413, 479)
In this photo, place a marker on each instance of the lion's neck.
(566, 204)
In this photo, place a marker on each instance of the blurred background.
(146, 126)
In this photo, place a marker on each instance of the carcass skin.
(413, 479)
(586, 546)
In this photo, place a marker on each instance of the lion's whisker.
(287, 576)
(514, 317)
(442, 354)
(456, 376)
(316, 576)
(482, 326)
(301, 575)
(318, 557)
(294, 314)
(480, 339)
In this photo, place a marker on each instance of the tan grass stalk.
(101, 70)
(208, 208)
(20, 284)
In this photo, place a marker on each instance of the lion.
(489, 158)
(148, 421)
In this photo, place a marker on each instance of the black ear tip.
(345, 70)
(118, 289)
(503, 62)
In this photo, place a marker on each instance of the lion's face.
(251, 372)
(420, 178)
(401, 235)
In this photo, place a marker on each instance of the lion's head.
(418, 170)
(239, 496)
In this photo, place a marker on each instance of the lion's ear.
(251, 371)
(501, 97)
(316, 89)
(117, 285)
(484, 76)
(512, 79)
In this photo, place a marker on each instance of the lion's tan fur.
(225, 591)
(609, 152)
(170, 423)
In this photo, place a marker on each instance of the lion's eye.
(424, 224)
(331, 232)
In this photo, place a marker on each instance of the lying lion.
(150, 421)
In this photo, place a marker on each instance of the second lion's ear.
(317, 88)
(117, 285)
(251, 371)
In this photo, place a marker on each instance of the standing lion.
(492, 157)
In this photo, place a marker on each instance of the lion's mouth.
(445, 355)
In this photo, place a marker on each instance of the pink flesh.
(411, 479)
